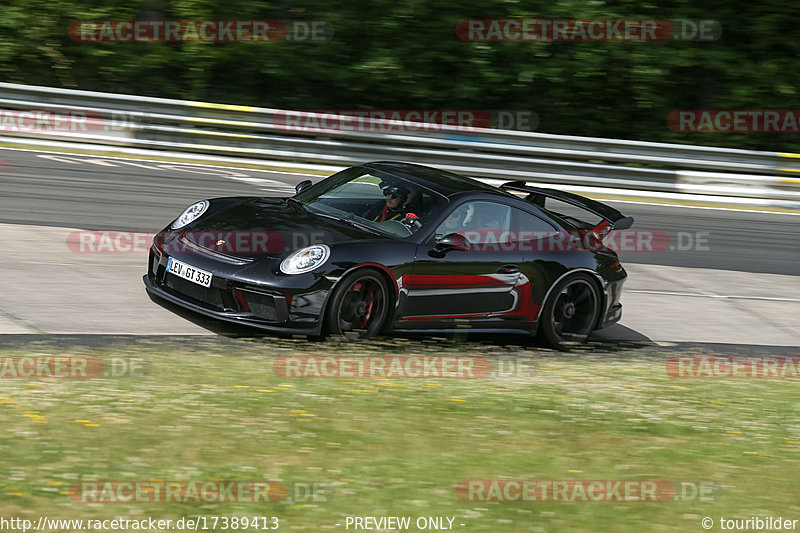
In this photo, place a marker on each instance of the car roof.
(441, 181)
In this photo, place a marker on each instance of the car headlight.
(305, 260)
(192, 212)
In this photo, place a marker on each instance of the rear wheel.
(571, 312)
(359, 304)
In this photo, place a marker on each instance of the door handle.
(508, 269)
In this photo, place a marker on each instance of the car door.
(532, 235)
(465, 284)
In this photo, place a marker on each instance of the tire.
(571, 312)
(360, 303)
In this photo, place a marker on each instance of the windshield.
(375, 201)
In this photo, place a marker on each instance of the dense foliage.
(403, 54)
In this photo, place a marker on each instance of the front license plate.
(188, 272)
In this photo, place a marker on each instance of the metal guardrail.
(256, 132)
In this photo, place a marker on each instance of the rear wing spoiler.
(536, 195)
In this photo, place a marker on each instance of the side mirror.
(303, 185)
(452, 241)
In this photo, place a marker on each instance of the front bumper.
(243, 319)
(240, 301)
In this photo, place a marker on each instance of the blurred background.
(405, 54)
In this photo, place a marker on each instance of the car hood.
(274, 227)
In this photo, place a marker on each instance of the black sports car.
(395, 246)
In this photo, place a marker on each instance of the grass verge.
(214, 409)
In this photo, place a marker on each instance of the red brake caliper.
(368, 310)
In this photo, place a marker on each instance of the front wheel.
(360, 303)
(571, 312)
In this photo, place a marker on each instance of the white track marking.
(222, 172)
(212, 170)
(265, 184)
(702, 207)
(180, 163)
(709, 294)
(133, 164)
(59, 159)
(100, 162)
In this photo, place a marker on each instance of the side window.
(479, 222)
(526, 227)
(574, 215)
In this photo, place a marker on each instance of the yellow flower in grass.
(35, 417)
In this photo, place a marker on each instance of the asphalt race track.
(739, 284)
(105, 193)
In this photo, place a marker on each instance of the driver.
(393, 208)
